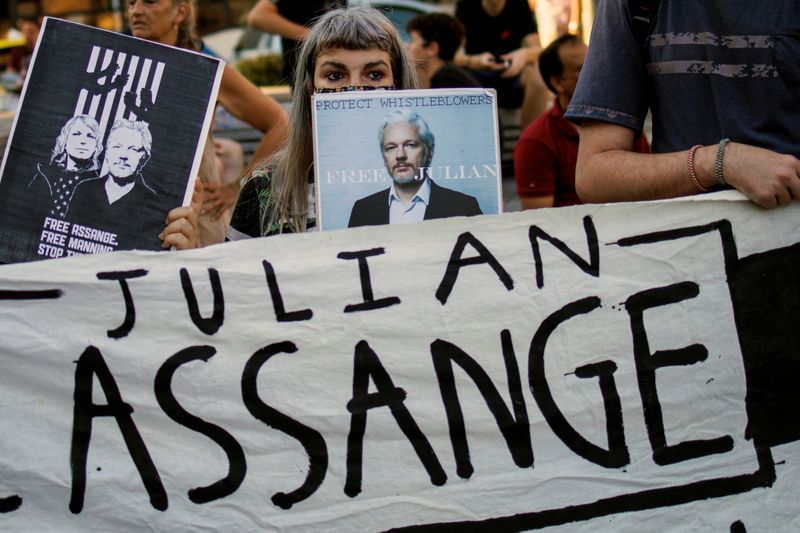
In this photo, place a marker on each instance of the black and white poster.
(107, 139)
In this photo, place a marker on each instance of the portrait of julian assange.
(407, 146)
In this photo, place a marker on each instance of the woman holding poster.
(356, 48)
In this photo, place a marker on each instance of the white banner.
(583, 368)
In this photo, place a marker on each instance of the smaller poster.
(395, 157)
(107, 139)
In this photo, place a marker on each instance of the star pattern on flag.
(64, 188)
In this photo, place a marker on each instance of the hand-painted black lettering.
(514, 428)
(616, 456)
(765, 288)
(738, 527)
(130, 312)
(47, 294)
(237, 465)
(209, 325)
(367, 365)
(369, 302)
(615, 428)
(591, 267)
(646, 365)
(277, 300)
(10, 503)
(723, 226)
(311, 439)
(91, 364)
(456, 262)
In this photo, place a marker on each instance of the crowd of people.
(721, 90)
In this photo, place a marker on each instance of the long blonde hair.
(187, 29)
(60, 157)
(354, 28)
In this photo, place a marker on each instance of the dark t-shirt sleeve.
(246, 218)
(613, 85)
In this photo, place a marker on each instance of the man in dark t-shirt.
(290, 19)
(434, 40)
(501, 49)
(720, 80)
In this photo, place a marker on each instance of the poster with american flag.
(107, 139)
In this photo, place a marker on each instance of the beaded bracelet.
(690, 167)
(718, 162)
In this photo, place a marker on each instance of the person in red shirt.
(547, 150)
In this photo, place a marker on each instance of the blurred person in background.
(434, 39)
(173, 22)
(501, 48)
(291, 20)
(19, 58)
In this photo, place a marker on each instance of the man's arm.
(608, 170)
(265, 17)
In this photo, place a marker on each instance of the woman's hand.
(218, 198)
(181, 230)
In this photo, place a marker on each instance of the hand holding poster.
(623, 368)
(405, 156)
(107, 139)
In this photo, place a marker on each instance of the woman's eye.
(375, 75)
(334, 76)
